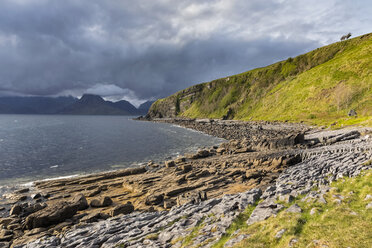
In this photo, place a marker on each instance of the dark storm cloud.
(145, 49)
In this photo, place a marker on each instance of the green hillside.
(319, 87)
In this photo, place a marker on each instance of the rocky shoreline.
(157, 205)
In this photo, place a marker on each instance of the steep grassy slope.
(317, 87)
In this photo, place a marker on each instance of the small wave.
(54, 166)
(57, 178)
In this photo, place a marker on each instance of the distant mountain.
(34, 105)
(95, 105)
(125, 106)
(144, 107)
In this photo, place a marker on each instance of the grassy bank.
(319, 87)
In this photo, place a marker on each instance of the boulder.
(51, 215)
(203, 153)
(16, 210)
(294, 209)
(34, 208)
(180, 160)
(122, 209)
(352, 112)
(154, 199)
(169, 203)
(101, 202)
(186, 168)
(80, 201)
(36, 196)
(280, 233)
(264, 210)
(169, 163)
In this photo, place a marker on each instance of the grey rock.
(264, 210)
(369, 205)
(286, 198)
(294, 209)
(313, 211)
(280, 233)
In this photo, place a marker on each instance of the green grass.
(348, 224)
(239, 223)
(318, 87)
(195, 231)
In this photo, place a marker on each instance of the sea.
(42, 147)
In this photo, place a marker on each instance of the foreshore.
(253, 164)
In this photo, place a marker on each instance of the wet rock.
(36, 196)
(50, 215)
(22, 198)
(101, 202)
(22, 191)
(122, 209)
(16, 210)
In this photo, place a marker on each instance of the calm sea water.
(34, 147)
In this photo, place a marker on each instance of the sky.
(148, 49)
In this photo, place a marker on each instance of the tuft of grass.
(238, 224)
(195, 231)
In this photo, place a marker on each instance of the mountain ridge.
(88, 104)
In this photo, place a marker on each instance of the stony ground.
(189, 201)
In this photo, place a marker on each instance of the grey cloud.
(145, 49)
